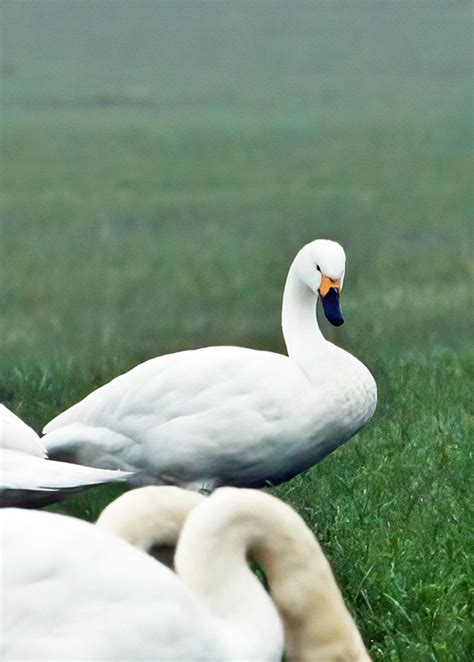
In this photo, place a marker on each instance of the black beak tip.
(337, 321)
(331, 307)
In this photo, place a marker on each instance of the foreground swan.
(132, 607)
(28, 478)
(229, 415)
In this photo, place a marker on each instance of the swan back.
(114, 601)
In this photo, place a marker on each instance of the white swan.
(214, 610)
(228, 415)
(28, 478)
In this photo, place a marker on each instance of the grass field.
(162, 164)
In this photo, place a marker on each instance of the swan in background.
(229, 415)
(215, 608)
(28, 478)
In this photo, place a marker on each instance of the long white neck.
(211, 559)
(216, 540)
(303, 337)
(318, 627)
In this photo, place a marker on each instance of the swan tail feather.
(96, 447)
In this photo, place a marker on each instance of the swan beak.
(329, 292)
(328, 284)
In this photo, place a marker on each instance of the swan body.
(229, 415)
(215, 609)
(28, 478)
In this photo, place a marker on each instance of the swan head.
(321, 266)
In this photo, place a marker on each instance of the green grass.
(162, 164)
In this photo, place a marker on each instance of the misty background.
(164, 161)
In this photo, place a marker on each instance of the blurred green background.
(164, 161)
(162, 164)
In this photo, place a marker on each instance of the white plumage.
(76, 592)
(28, 478)
(228, 415)
(71, 592)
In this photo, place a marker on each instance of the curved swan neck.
(150, 518)
(317, 623)
(301, 331)
(235, 523)
(211, 560)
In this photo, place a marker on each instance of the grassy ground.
(163, 162)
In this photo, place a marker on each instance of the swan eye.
(318, 268)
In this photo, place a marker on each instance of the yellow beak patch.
(328, 284)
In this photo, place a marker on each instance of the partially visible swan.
(150, 518)
(134, 608)
(84, 594)
(228, 415)
(28, 478)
